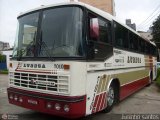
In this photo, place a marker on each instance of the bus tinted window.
(133, 41)
(141, 45)
(105, 31)
(121, 36)
(100, 47)
(147, 48)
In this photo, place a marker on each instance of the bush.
(2, 58)
(158, 77)
(3, 71)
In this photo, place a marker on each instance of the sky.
(141, 12)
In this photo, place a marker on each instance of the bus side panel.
(97, 83)
(154, 68)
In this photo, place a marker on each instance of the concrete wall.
(105, 5)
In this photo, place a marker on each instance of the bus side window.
(105, 31)
(121, 36)
(147, 50)
(133, 41)
(141, 45)
(101, 46)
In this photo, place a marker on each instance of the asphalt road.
(145, 101)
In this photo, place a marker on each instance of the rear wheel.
(111, 98)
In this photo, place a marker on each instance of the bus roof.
(91, 8)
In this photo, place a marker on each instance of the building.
(7, 53)
(146, 35)
(105, 5)
(131, 25)
(4, 46)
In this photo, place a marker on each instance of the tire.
(111, 98)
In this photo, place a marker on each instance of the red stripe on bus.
(102, 102)
(33, 71)
(105, 101)
(99, 102)
(95, 103)
(130, 88)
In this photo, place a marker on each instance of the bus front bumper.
(63, 106)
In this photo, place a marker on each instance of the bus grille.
(46, 83)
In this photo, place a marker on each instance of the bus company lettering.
(133, 59)
(34, 65)
(117, 52)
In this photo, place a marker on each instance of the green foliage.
(3, 71)
(156, 31)
(158, 77)
(2, 58)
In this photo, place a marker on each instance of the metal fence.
(3, 66)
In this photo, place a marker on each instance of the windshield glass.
(59, 34)
(26, 36)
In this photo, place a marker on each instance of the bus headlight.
(20, 100)
(11, 96)
(15, 98)
(57, 106)
(66, 108)
(49, 105)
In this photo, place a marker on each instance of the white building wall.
(7, 53)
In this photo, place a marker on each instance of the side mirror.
(94, 28)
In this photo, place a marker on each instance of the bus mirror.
(94, 28)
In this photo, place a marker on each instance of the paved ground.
(145, 101)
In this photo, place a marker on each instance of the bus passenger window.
(121, 36)
(100, 47)
(105, 31)
(133, 41)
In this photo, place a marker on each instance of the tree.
(2, 58)
(156, 31)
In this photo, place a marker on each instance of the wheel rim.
(110, 97)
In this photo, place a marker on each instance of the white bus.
(73, 60)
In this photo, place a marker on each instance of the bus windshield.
(55, 32)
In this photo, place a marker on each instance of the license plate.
(33, 102)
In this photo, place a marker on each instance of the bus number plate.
(33, 102)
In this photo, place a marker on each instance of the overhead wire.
(149, 19)
(149, 15)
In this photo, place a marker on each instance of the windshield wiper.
(43, 45)
(28, 49)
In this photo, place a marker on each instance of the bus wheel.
(111, 98)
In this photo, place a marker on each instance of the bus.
(73, 60)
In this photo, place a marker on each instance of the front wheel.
(111, 98)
